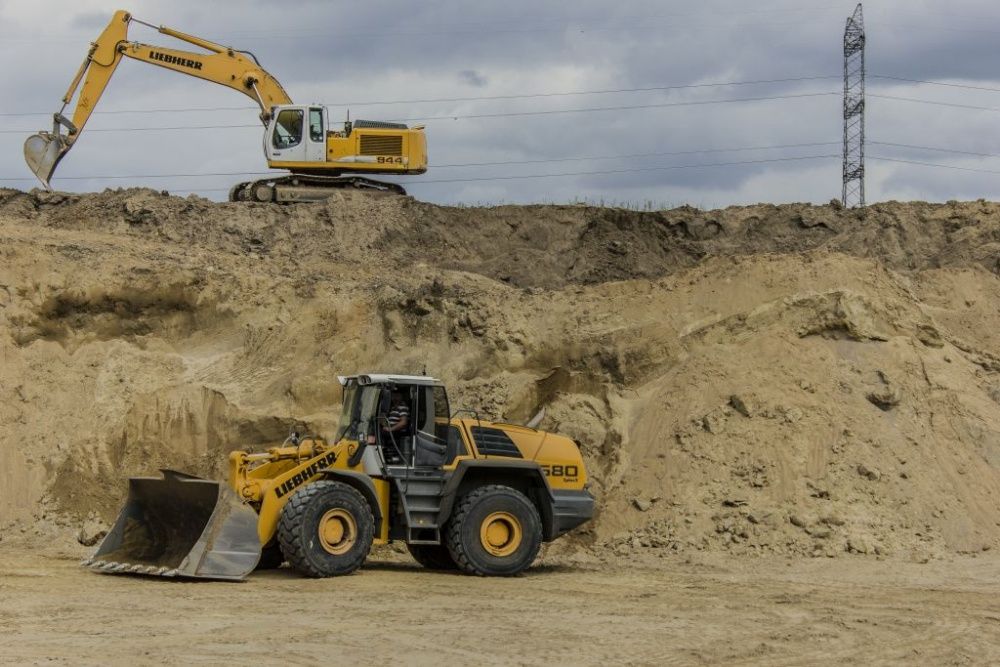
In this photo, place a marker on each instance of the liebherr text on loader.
(462, 493)
(319, 153)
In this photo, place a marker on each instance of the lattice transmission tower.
(854, 110)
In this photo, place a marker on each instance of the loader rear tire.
(495, 531)
(432, 556)
(326, 529)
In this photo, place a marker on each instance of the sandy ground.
(778, 397)
(708, 611)
(796, 380)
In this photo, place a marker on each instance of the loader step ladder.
(420, 492)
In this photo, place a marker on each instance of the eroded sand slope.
(789, 379)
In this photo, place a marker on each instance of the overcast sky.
(351, 54)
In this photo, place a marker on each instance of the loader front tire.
(326, 529)
(495, 531)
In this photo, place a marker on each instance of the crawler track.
(305, 188)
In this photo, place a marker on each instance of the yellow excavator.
(302, 139)
(463, 494)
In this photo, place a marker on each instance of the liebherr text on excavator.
(318, 153)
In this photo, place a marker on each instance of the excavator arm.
(234, 69)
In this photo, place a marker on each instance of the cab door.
(438, 442)
(315, 140)
(287, 141)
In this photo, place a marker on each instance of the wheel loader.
(302, 139)
(461, 492)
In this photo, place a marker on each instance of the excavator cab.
(296, 134)
(302, 139)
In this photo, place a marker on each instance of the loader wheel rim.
(338, 531)
(500, 534)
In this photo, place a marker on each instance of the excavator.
(318, 153)
(463, 493)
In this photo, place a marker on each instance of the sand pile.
(773, 379)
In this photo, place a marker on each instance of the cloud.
(384, 60)
(473, 78)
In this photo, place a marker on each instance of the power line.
(663, 105)
(600, 20)
(636, 155)
(484, 98)
(507, 114)
(932, 164)
(935, 83)
(474, 98)
(933, 148)
(934, 103)
(130, 176)
(149, 129)
(561, 174)
(895, 25)
(584, 158)
(570, 28)
(588, 25)
(463, 165)
(144, 111)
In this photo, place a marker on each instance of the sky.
(481, 73)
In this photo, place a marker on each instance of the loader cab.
(427, 441)
(296, 134)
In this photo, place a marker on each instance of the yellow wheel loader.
(319, 153)
(463, 493)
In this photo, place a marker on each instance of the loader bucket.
(180, 526)
(42, 152)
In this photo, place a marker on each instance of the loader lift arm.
(226, 66)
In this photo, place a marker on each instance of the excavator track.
(305, 188)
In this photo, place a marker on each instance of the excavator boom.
(223, 65)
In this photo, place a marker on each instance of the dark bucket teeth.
(114, 567)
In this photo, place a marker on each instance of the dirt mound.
(527, 246)
(792, 379)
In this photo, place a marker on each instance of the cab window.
(316, 124)
(348, 413)
(288, 128)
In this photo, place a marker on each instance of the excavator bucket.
(42, 152)
(180, 526)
